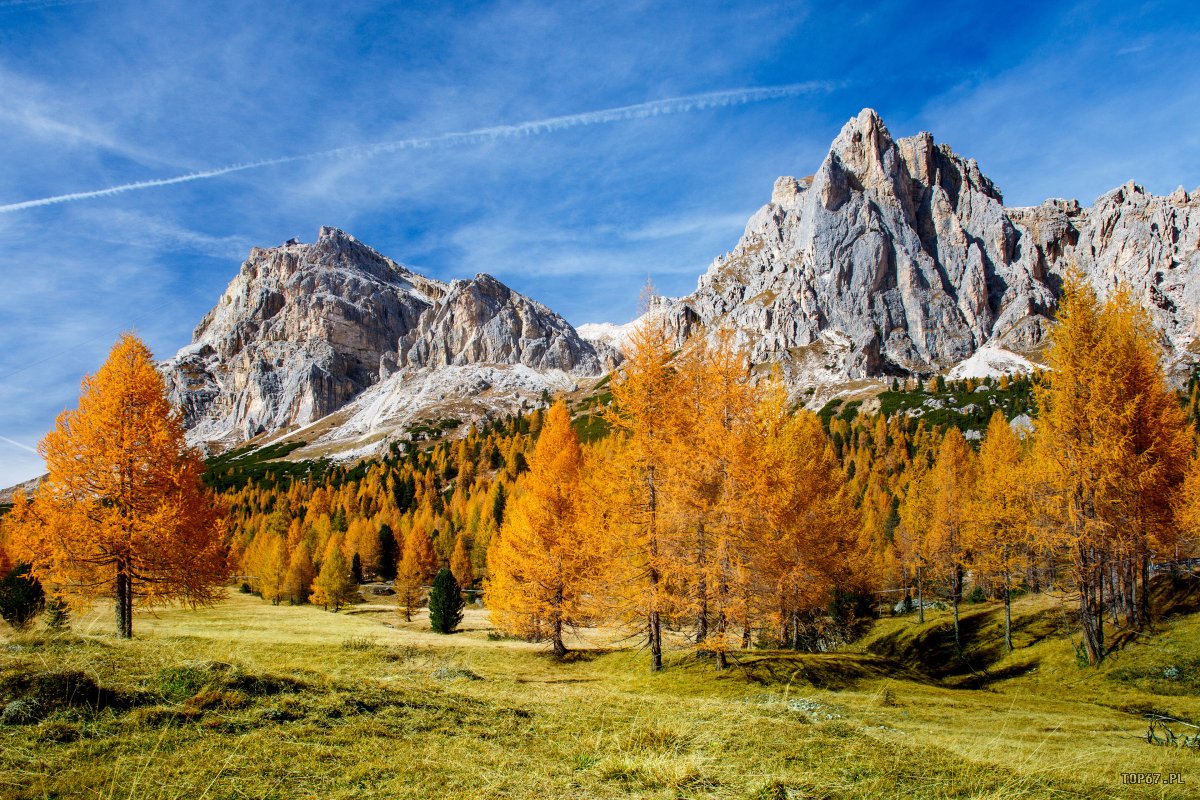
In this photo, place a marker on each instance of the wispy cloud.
(653, 108)
(36, 5)
(35, 112)
(150, 232)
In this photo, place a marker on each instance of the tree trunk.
(1144, 618)
(655, 622)
(1100, 613)
(701, 587)
(560, 649)
(722, 623)
(655, 642)
(1091, 606)
(956, 597)
(124, 602)
(920, 598)
(723, 601)
(1007, 614)
(957, 638)
(1109, 580)
(1129, 578)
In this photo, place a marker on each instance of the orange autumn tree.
(706, 484)
(805, 548)
(1113, 448)
(644, 395)
(418, 563)
(953, 486)
(123, 512)
(333, 587)
(912, 535)
(998, 535)
(542, 565)
(460, 563)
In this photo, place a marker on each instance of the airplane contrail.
(18, 444)
(653, 108)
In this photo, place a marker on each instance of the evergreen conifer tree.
(389, 554)
(21, 597)
(445, 603)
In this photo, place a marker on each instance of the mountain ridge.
(895, 257)
(898, 257)
(305, 329)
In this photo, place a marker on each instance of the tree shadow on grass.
(930, 649)
(1175, 593)
(834, 671)
(582, 656)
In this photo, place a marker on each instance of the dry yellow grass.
(361, 704)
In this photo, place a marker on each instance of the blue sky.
(1052, 99)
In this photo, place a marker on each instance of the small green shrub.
(21, 597)
(359, 643)
(58, 617)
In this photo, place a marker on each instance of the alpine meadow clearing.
(250, 699)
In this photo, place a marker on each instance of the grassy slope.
(363, 705)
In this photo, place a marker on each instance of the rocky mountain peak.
(900, 258)
(305, 328)
(484, 321)
(862, 157)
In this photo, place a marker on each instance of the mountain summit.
(898, 257)
(304, 329)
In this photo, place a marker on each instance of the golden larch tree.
(460, 562)
(1113, 451)
(998, 535)
(912, 535)
(1187, 515)
(709, 470)
(333, 587)
(953, 484)
(542, 564)
(643, 393)
(1113, 448)
(806, 545)
(418, 563)
(299, 576)
(123, 511)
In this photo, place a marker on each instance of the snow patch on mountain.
(611, 334)
(473, 393)
(991, 361)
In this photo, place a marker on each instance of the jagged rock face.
(1151, 246)
(305, 328)
(482, 321)
(898, 257)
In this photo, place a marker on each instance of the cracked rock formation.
(305, 328)
(898, 257)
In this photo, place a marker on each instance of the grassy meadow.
(250, 700)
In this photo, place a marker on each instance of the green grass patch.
(591, 427)
(260, 465)
(248, 699)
